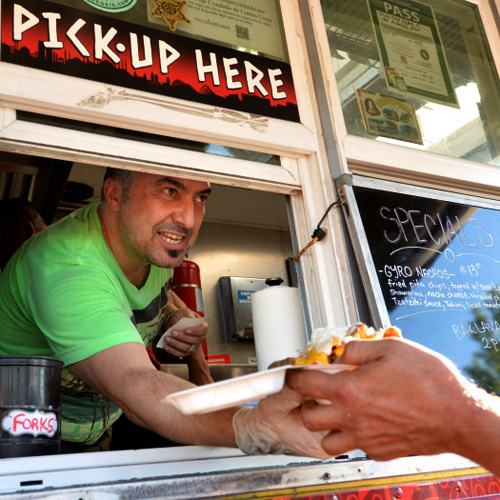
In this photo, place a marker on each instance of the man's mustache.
(174, 228)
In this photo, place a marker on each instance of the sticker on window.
(112, 5)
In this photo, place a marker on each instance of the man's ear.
(28, 229)
(112, 193)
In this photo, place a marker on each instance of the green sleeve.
(80, 310)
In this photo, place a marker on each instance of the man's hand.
(182, 343)
(400, 401)
(275, 426)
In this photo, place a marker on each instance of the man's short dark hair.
(124, 177)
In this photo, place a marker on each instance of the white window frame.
(303, 173)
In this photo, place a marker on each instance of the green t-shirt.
(63, 295)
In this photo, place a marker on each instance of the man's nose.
(184, 213)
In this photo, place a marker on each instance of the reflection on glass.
(469, 131)
(438, 267)
(215, 149)
(484, 365)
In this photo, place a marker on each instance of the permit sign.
(411, 50)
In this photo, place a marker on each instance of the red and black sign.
(56, 38)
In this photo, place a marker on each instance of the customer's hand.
(275, 426)
(402, 400)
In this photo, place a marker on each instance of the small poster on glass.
(390, 117)
(411, 50)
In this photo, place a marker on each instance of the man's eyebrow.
(180, 185)
(206, 191)
(171, 182)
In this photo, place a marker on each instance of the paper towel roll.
(278, 324)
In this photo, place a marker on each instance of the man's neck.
(137, 274)
(137, 277)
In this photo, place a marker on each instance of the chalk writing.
(438, 268)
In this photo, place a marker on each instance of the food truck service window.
(214, 72)
(99, 83)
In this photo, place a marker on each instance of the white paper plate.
(239, 390)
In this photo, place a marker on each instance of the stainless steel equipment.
(235, 300)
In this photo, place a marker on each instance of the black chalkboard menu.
(437, 266)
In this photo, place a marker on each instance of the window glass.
(250, 26)
(416, 73)
(161, 140)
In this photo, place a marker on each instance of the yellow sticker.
(170, 11)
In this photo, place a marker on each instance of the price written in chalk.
(470, 270)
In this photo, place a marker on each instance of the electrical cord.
(319, 233)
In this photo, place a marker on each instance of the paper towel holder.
(276, 281)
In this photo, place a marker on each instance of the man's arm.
(402, 400)
(180, 341)
(124, 374)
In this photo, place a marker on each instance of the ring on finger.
(192, 349)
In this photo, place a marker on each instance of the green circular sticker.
(112, 5)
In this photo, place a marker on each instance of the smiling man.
(93, 290)
(155, 223)
(101, 278)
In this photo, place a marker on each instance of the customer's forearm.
(477, 430)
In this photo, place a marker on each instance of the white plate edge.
(335, 368)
